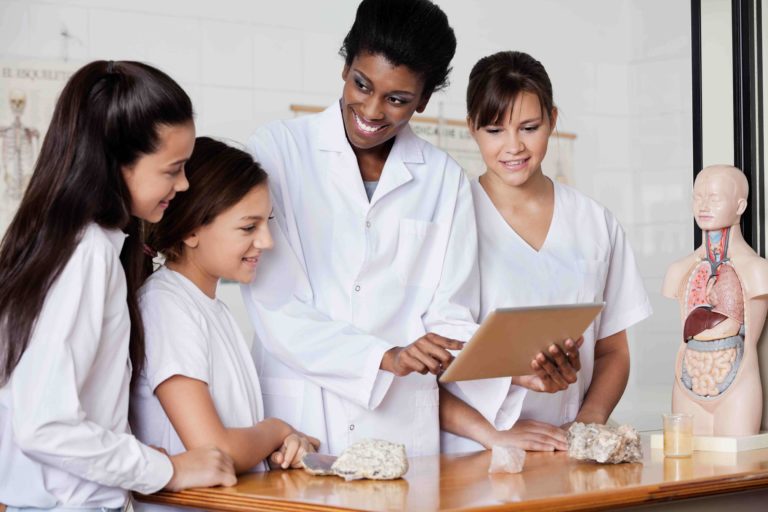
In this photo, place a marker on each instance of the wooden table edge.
(595, 500)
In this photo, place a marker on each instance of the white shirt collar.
(332, 137)
(116, 237)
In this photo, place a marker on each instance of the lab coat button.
(357, 288)
(367, 223)
(352, 426)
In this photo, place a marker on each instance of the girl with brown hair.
(542, 242)
(199, 385)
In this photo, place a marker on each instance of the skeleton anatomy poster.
(28, 92)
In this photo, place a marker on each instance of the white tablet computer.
(509, 339)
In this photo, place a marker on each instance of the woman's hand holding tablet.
(554, 370)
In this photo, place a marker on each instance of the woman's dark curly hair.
(412, 33)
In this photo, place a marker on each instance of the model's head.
(720, 195)
(220, 225)
(113, 154)
(511, 114)
(397, 53)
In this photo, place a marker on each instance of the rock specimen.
(318, 463)
(604, 444)
(370, 458)
(506, 459)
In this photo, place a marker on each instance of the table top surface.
(549, 481)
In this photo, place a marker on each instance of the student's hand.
(427, 354)
(532, 436)
(201, 467)
(555, 370)
(294, 447)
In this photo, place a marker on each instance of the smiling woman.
(373, 277)
(378, 99)
(544, 243)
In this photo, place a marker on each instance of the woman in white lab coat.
(375, 247)
(542, 242)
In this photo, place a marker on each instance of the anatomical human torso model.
(723, 293)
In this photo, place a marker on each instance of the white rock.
(372, 458)
(506, 459)
(604, 444)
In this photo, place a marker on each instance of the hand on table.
(294, 447)
(201, 467)
(532, 435)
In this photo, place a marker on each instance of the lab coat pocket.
(283, 398)
(415, 262)
(592, 280)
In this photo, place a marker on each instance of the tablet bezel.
(509, 338)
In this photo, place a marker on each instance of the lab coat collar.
(405, 150)
(331, 137)
(116, 237)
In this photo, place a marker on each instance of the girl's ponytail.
(106, 118)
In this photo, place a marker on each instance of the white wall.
(620, 69)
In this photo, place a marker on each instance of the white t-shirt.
(585, 257)
(188, 333)
(64, 436)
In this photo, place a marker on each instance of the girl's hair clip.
(150, 251)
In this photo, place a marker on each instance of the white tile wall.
(322, 63)
(278, 59)
(46, 24)
(224, 112)
(620, 70)
(14, 28)
(226, 54)
(170, 43)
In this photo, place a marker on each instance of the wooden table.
(549, 481)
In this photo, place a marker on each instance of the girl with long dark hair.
(70, 266)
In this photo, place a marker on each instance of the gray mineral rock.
(604, 444)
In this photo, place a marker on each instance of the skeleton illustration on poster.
(28, 92)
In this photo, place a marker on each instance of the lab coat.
(64, 435)
(585, 257)
(348, 279)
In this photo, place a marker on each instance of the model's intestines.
(713, 328)
(708, 373)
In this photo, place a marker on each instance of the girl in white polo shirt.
(70, 329)
(199, 385)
